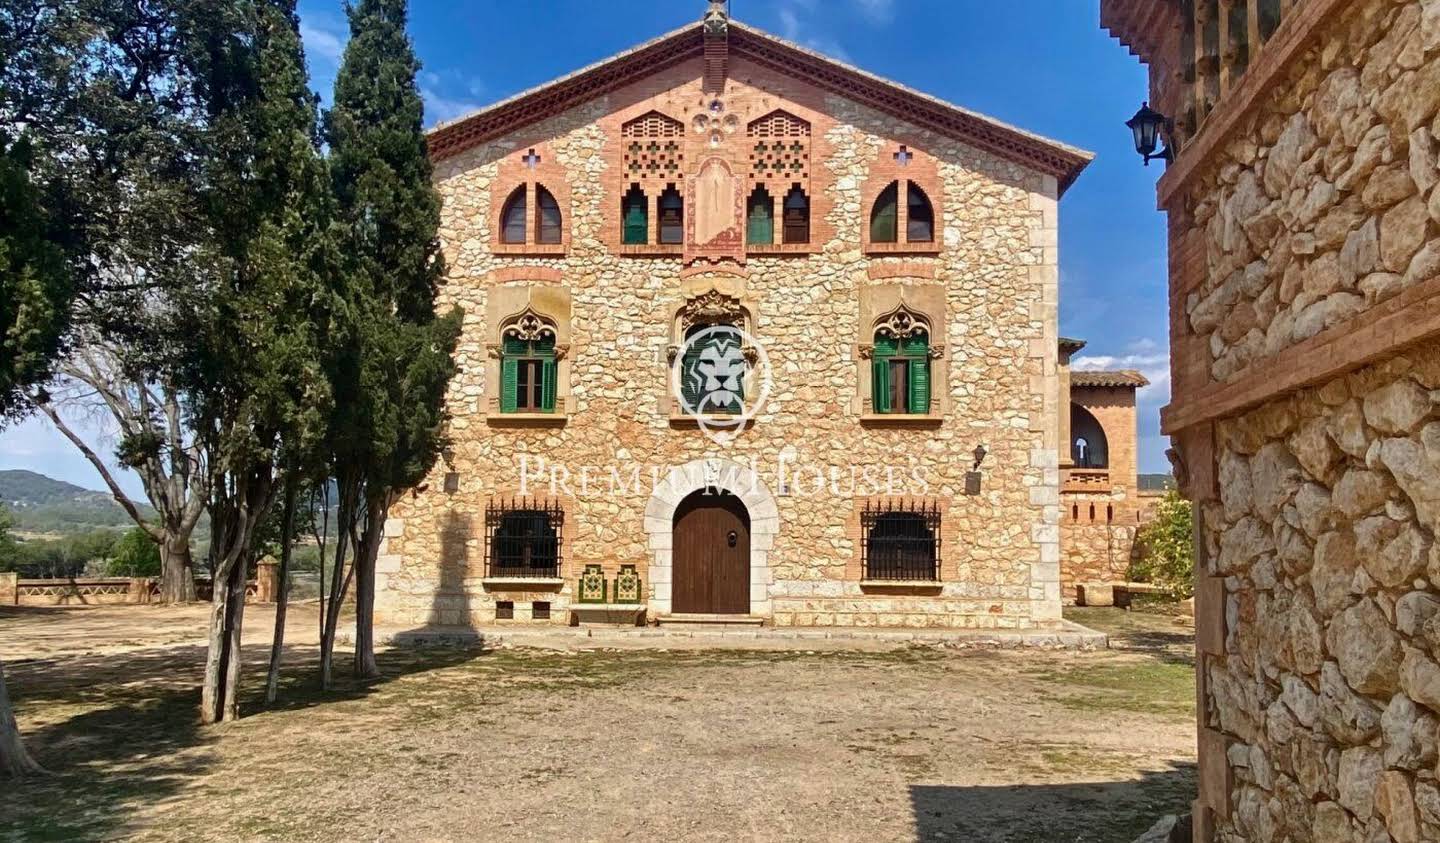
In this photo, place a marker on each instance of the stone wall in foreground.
(1328, 687)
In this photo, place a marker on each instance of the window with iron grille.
(523, 539)
(900, 541)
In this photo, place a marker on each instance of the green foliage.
(391, 374)
(66, 557)
(7, 542)
(35, 284)
(135, 555)
(1166, 547)
(42, 504)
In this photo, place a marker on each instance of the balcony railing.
(1088, 480)
(1219, 42)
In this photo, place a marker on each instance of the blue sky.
(1043, 65)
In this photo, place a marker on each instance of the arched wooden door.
(711, 551)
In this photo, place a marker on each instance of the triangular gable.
(1060, 160)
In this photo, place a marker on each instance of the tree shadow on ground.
(122, 731)
(1090, 812)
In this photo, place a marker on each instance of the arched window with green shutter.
(635, 214)
(885, 216)
(900, 374)
(528, 374)
(760, 218)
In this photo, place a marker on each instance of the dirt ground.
(901, 743)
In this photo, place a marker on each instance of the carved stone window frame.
(707, 300)
(902, 308)
(528, 310)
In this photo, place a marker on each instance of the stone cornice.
(1063, 162)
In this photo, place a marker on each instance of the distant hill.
(43, 504)
(1156, 482)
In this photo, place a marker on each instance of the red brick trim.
(903, 269)
(1411, 317)
(513, 174)
(1029, 150)
(524, 273)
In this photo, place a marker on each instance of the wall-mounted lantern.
(980, 454)
(1150, 127)
(974, 480)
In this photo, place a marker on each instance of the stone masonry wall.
(996, 228)
(1320, 687)
(1328, 687)
(1323, 204)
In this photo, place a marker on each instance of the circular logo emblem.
(721, 378)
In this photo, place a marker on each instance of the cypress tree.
(259, 394)
(391, 376)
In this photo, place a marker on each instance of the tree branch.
(120, 497)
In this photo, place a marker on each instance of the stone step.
(709, 620)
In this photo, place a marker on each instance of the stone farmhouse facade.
(1304, 224)
(872, 271)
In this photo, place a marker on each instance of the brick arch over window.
(530, 320)
(530, 196)
(779, 147)
(903, 202)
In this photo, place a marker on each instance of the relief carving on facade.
(715, 222)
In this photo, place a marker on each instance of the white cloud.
(440, 108)
(1145, 358)
(324, 38)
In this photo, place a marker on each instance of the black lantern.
(980, 454)
(1149, 125)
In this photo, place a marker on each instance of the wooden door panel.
(710, 575)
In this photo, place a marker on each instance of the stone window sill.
(527, 419)
(523, 583)
(651, 250)
(902, 248)
(688, 420)
(900, 420)
(907, 585)
(529, 249)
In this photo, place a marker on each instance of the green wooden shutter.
(691, 391)
(885, 349)
(509, 382)
(548, 371)
(761, 228)
(637, 223)
(920, 386)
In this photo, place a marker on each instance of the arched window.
(547, 218)
(635, 210)
(920, 227)
(760, 218)
(672, 217)
(1089, 449)
(885, 217)
(900, 365)
(797, 216)
(712, 371)
(512, 217)
(527, 366)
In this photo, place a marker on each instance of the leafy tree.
(7, 542)
(135, 555)
(257, 391)
(1167, 547)
(394, 362)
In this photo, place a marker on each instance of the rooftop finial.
(717, 17)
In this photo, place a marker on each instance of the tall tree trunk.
(15, 762)
(212, 695)
(282, 599)
(177, 570)
(339, 581)
(231, 700)
(366, 553)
